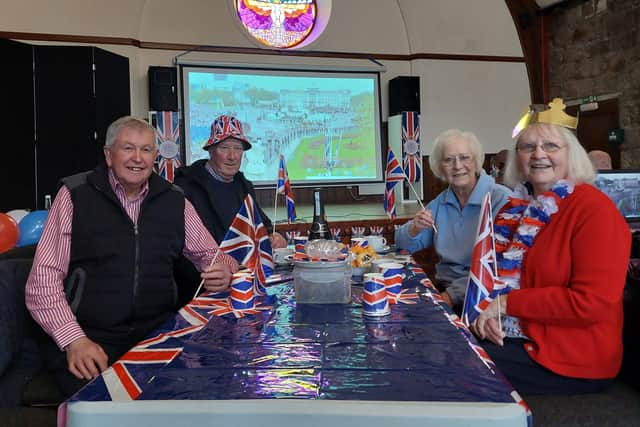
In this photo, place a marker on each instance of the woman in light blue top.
(456, 159)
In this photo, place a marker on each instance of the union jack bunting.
(168, 142)
(483, 356)
(483, 284)
(357, 231)
(284, 188)
(247, 241)
(411, 145)
(120, 379)
(376, 230)
(518, 399)
(393, 175)
(291, 235)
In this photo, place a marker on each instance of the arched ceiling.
(402, 27)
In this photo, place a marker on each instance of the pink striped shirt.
(44, 293)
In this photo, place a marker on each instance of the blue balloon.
(31, 228)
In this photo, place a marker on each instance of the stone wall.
(594, 49)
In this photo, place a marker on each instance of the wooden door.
(594, 126)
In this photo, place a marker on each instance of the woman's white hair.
(128, 122)
(579, 165)
(435, 159)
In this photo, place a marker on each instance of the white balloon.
(18, 214)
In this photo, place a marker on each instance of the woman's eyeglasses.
(547, 147)
(465, 159)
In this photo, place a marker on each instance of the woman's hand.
(421, 221)
(487, 326)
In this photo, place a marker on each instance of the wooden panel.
(594, 126)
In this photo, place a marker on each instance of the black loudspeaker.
(404, 94)
(163, 89)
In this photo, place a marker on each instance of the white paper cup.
(377, 243)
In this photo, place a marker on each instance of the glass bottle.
(319, 227)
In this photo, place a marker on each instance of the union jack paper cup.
(241, 296)
(360, 242)
(392, 272)
(299, 242)
(374, 297)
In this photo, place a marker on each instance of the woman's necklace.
(516, 228)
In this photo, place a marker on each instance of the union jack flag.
(168, 132)
(120, 379)
(393, 175)
(327, 153)
(284, 188)
(247, 240)
(483, 285)
(482, 355)
(411, 145)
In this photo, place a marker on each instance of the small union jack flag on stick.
(484, 284)
(247, 240)
(393, 175)
(284, 188)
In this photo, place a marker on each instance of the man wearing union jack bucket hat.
(216, 187)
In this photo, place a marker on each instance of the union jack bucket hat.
(225, 127)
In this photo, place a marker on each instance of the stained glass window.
(278, 23)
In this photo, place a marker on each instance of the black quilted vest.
(129, 287)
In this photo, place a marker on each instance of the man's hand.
(217, 277)
(422, 220)
(86, 359)
(487, 326)
(277, 241)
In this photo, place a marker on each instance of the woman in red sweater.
(563, 249)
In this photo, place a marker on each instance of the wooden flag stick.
(210, 264)
(499, 317)
(275, 210)
(495, 261)
(418, 199)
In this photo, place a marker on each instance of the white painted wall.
(483, 97)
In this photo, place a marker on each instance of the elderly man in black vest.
(117, 231)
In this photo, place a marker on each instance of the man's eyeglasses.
(465, 159)
(547, 147)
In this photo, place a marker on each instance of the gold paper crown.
(554, 115)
